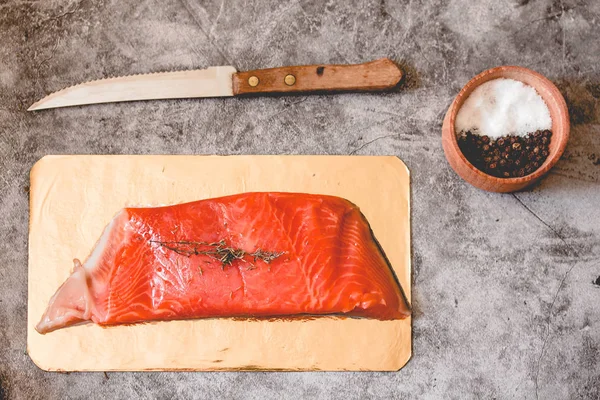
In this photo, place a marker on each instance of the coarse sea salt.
(502, 107)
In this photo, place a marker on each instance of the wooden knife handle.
(375, 75)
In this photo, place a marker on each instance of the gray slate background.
(505, 305)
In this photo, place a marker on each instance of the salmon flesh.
(249, 255)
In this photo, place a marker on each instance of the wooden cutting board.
(74, 197)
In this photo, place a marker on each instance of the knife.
(226, 81)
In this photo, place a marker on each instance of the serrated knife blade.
(210, 82)
(225, 81)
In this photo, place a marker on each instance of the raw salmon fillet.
(246, 255)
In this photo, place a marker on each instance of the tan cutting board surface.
(74, 197)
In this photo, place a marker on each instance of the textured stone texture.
(505, 305)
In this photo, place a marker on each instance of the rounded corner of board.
(37, 361)
(403, 362)
(400, 164)
(38, 165)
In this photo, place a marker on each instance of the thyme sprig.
(219, 251)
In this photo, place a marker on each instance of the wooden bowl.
(560, 130)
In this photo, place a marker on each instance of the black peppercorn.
(508, 156)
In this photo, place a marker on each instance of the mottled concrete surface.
(505, 305)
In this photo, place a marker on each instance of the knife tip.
(35, 106)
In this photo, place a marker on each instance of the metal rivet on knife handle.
(289, 79)
(253, 81)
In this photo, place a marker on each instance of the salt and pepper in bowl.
(505, 129)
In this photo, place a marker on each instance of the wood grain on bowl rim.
(560, 129)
